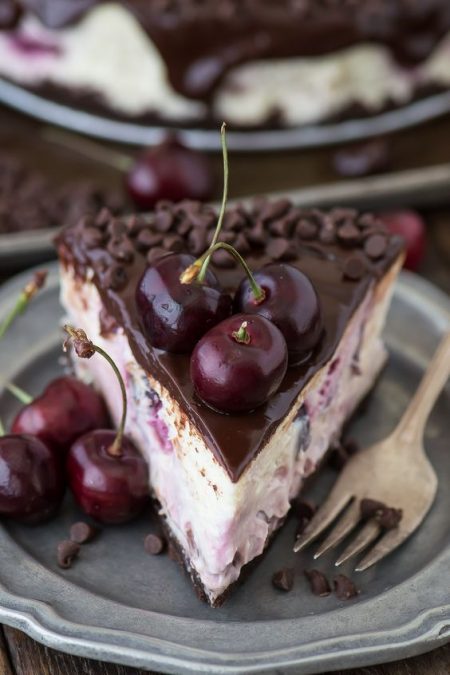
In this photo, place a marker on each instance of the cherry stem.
(194, 271)
(242, 336)
(223, 139)
(27, 294)
(85, 349)
(19, 393)
(88, 149)
(2, 429)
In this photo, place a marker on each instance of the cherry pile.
(238, 362)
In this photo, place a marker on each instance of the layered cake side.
(251, 63)
(224, 481)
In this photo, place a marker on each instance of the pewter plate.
(120, 605)
(49, 111)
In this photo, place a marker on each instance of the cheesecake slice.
(223, 483)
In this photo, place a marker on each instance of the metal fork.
(395, 472)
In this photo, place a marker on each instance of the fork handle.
(412, 425)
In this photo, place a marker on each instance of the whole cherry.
(32, 481)
(107, 474)
(66, 409)
(289, 301)
(169, 171)
(239, 364)
(176, 315)
(411, 226)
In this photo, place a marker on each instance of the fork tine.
(322, 518)
(342, 528)
(387, 543)
(369, 532)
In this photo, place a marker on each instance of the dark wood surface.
(19, 654)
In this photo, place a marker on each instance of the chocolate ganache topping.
(201, 40)
(341, 251)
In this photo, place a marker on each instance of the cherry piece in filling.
(239, 364)
(31, 479)
(65, 410)
(107, 474)
(169, 171)
(176, 315)
(290, 302)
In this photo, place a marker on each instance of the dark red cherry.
(65, 410)
(111, 488)
(31, 479)
(170, 171)
(176, 315)
(411, 226)
(291, 303)
(239, 364)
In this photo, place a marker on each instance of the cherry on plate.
(239, 364)
(176, 315)
(290, 302)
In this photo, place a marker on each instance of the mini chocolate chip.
(121, 249)
(368, 220)
(340, 214)
(349, 234)
(390, 518)
(363, 159)
(146, 239)
(233, 221)
(135, 224)
(375, 246)
(183, 227)
(370, 508)
(354, 268)
(153, 544)
(115, 278)
(318, 582)
(281, 249)
(92, 237)
(163, 221)
(273, 210)
(116, 228)
(172, 242)
(241, 244)
(281, 228)
(66, 552)
(155, 253)
(222, 258)
(307, 230)
(257, 235)
(344, 587)
(328, 233)
(82, 532)
(283, 580)
(103, 218)
(197, 240)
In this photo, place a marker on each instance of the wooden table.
(19, 654)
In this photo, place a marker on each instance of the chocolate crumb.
(318, 582)
(370, 508)
(67, 551)
(303, 510)
(81, 532)
(387, 517)
(283, 580)
(344, 587)
(153, 544)
(390, 518)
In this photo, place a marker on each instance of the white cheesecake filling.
(108, 53)
(221, 525)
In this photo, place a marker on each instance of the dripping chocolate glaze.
(341, 251)
(201, 42)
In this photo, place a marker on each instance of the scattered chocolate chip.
(115, 278)
(281, 249)
(363, 159)
(147, 239)
(375, 246)
(349, 234)
(163, 221)
(153, 544)
(222, 258)
(92, 237)
(116, 228)
(354, 268)
(283, 580)
(274, 209)
(121, 249)
(282, 227)
(103, 218)
(370, 508)
(257, 235)
(155, 253)
(233, 221)
(82, 532)
(307, 230)
(173, 242)
(328, 232)
(67, 551)
(184, 227)
(344, 587)
(134, 225)
(390, 518)
(318, 582)
(241, 244)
